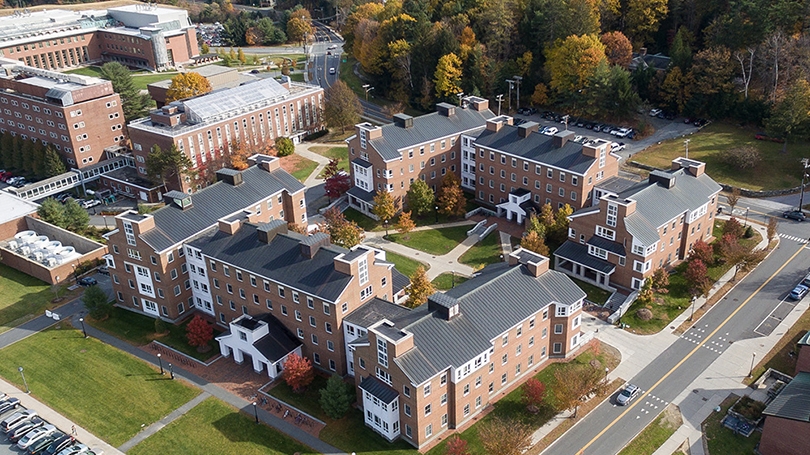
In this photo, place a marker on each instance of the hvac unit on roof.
(38, 256)
(13, 245)
(26, 250)
(51, 262)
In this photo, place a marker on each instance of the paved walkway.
(723, 377)
(304, 151)
(157, 426)
(445, 263)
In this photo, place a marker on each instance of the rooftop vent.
(180, 199)
(446, 110)
(665, 179)
(403, 120)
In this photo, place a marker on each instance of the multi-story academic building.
(147, 260)
(208, 126)
(637, 227)
(143, 36)
(78, 115)
(422, 373)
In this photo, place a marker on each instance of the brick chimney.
(268, 231)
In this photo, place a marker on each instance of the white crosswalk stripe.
(793, 237)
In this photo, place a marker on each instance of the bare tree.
(746, 72)
(502, 436)
(733, 198)
(771, 228)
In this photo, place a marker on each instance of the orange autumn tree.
(298, 372)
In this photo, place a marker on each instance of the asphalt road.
(747, 311)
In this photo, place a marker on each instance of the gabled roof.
(793, 402)
(173, 224)
(378, 389)
(280, 260)
(614, 247)
(489, 304)
(278, 342)
(536, 147)
(579, 253)
(427, 128)
(374, 311)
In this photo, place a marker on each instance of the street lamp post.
(746, 215)
(453, 272)
(367, 88)
(171, 371)
(436, 208)
(499, 99)
(686, 144)
(81, 320)
(753, 357)
(517, 90)
(460, 95)
(511, 85)
(160, 361)
(255, 412)
(20, 369)
(386, 227)
(607, 370)
(805, 165)
(694, 298)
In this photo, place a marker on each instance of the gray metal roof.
(489, 304)
(427, 128)
(616, 184)
(280, 260)
(361, 162)
(378, 389)
(399, 280)
(805, 339)
(537, 147)
(224, 103)
(579, 254)
(361, 194)
(278, 342)
(793, 402)
(605, 244)
(173, 225)
(374, 311)
(656, 205)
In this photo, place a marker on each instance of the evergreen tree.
(17, 156)
(133, 103)
(96, 302)
(6, 151)
(334, 398)
(76, 218)
(51, 211)
(27, 156)
(52, 164)
(38, 161)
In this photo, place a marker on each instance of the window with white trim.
(382, 352)
(612, 215)
(604, 232)
(598, 252)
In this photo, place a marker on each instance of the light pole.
(386, 227)
(753, 357)
(367, 88)
(160, 361)
(81, 320)
(805, 165)
(566, 117)
(255, 412)
(511, 85)
(499, 99)
(517, 90)
(453, 272)
(607, 370)
(746, 215)
(694, 298)
(686, 144)
(171, 371)
(20, 369)
(436, 208)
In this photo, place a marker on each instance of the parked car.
(806, 280)
(35, 435)
(88, 281)
(550, 130)
(518, 121)
(655, 112)
(5, 175)
(58, 444)
(21, 422)
(255, 71)
(617, 147)
(797, 215)
(622, 132)
(799, 292)
(334, 46)
(25, 428)
(104, 270)
(627, 395)
(76, 449)
(700, 122)
(598, 127)
(90, 203)
(62, 197)
(8, 405)
(40, 445)
(527, 111)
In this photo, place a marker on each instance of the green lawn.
(668, 306)
(94, 71)
(340, 153)
(594, 294)
(297, 77)
(213, 427)
(140, 81)
(368, 224)
(776, 170)
(308, 400)
(22, 297)
(303, 168)
(106, 391)
(405, 265)
(352, 435)
(139, 330)
(446, 280)
(433, 241)
(483, 253)
(654, 435)
(723, 441)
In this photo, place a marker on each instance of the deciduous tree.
(540, 95)
(133, 102)
(335, 398)
(342, 107)
(790, 117)
(298, 372)
(97, 303)
(384, 206)
(186, 85)
(285, 146)
(618, 49)
(733, 198)
(575, 382)
(643, 18)
(199, 333)
(336, 181)
(771, 228)
(240, 55)
(456, 446)
(451, 199)
(572, 61)
(420, 197)
(447, 77)
(696, 276)
(505, 436)
(342, 232)
(163, 165)
(420, 289)
(733, 228)
(204, 49)
(405, 224)
(299, 25)
(741, 158)
(534, 242)
(660, 281)
(703, 252)
(533, 393)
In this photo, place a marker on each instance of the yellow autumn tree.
(186, 85)
(572, 61)
(448, 76)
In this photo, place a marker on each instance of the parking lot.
(9, 448)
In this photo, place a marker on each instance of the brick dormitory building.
(141, 35)
(207, 127)
(514, 169)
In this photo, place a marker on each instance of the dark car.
(255, 71)
(669, 115)
(40, 446)
(62, 197)
(58, 445)
(23, 429)
(104, 270)
(88, 281)
(797, 215)
(9, 404)
(700, 122)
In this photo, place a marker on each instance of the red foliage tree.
(199, 332)
(734, 228)
(337, 181)
(699, 283)
(703, 252)
(457, 446)
(298, 372)
(533, 393)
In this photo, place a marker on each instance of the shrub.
(316, 135)
(741, 158)
(285, 146)
(160, 326)
(644, 314)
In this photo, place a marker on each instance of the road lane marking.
(690, 354)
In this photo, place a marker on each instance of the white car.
(617, 147)
(15, 418)
(90, 203)
(621, 132)
(550, 130)
(334, 46)
(655, 112)
(76, 449)
(34, 436)
(331, 71)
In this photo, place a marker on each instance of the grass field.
(21, 297)
(483, 253)
(140, 78)
(308, 400)
(776, 170)
(446, 281)
(655, 434)
(106, 391)
(341, 153)
(405, 265)
(298, 166)
(368, 224)
(433, 241)
(139, 330)
(723, 441)
(213, 427)
(594, 294)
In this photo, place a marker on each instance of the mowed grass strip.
(403, 264)
(213, 427)
(339, 153)
(21, 297)
(103, 389)
(433, 241)
(483, 253)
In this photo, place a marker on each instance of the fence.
(486, 233)
(480, 210)
(622, 308)
(478, 225)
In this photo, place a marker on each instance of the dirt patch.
(671, 417)
(291, 163)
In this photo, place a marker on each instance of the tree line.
(29, 159)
